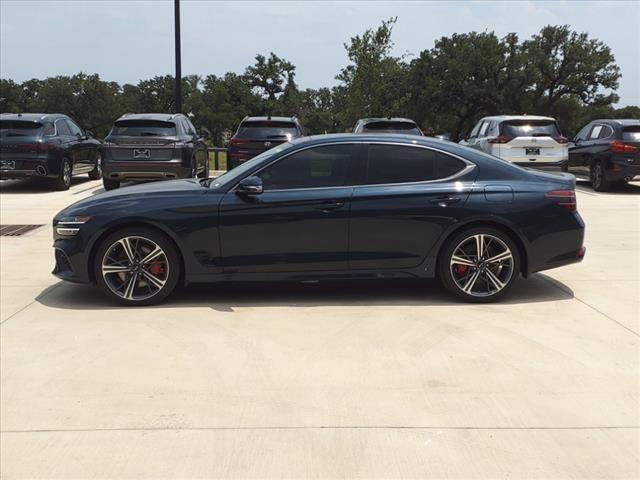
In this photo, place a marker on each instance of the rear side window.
(405, 128)
(17, 128)
(268, 130)
(399, 164)
(325, 166)
(49, 129)
(606, 132)
(631, 134)
(144, 128)
(530, 128)
(63, 128)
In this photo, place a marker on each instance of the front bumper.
(145, 170)
(71, 255)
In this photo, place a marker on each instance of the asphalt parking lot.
(353, 380)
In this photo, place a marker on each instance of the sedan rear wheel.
(479, 265)
(137, 266)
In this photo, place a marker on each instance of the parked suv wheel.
(599, 180)
(479, 264)
(96, 173)
(63, 182)
(110, 184)
(137, 266)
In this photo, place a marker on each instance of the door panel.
(286, 230)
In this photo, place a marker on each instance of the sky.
(130, 40)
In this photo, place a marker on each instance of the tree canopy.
(445, 88)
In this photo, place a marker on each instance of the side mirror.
(250, 186)
(89, 133)
(576, 140)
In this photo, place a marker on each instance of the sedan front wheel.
(137, 266)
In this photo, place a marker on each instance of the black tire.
(63, 182)
(205, 172)
(110, 184)
(506, 274)
(96, 173)
(172, 265)
(599, 180)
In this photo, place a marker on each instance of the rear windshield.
(530, 128)
(405, 128)
(268, 129)
(631, 134)
(17, 128)
(144, 128)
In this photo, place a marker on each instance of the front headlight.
(70, 226)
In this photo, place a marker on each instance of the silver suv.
(526, 140)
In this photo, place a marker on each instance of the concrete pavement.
(350, 380)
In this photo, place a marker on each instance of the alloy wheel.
(135, 268)
(481, 265)
(99, 165)
(66, 173)
(597, 175)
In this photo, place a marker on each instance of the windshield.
(267, 129)
(232, 176)
(404, 128)
(18, 128)
(530, 128)
(143, 128)
(631, 134)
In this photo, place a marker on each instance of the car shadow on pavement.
(36, 185)
(225, 297)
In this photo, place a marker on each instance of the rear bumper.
(31, 167)
(541, 164)
(562, 244)
(622, 171)
(145, 170)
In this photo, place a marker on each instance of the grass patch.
(222, 161)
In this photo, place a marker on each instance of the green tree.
(375, 82)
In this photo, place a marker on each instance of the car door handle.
(327, 207)
(445, 201)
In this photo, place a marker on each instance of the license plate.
(7, 165)
(532, 151)
(141, 153)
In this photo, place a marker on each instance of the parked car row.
(168, 146)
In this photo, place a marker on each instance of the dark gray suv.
(153, 146)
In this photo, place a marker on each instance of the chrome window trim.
(468, 168)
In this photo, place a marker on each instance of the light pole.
(178, 59)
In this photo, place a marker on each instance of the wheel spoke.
(155, 253)
(128, 249)
(506, 255)
(494, 280)
(471, 282)
(131, 285)
(479, 245)
(462, 261)
(106, 269)
(152, 279)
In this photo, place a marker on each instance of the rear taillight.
(560, 139)
(34, 147)
(620, 147)
(237, 141)
(563, 198)
(500, 139)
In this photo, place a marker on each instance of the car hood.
(135, 193)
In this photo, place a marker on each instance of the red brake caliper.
(461, 270)
(156, 269)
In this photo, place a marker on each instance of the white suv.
(526, 140)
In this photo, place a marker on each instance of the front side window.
(63, 128)
(483, 129)
(143, 128)
(400, 164)
(317, 167)
(582, 134)
(75, 129)
(595, 133)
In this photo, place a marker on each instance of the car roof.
(385, 119)
(501, 118)
(372, 137)
(161, 117)
(31, 117)
(618, 121)
(269, 118)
